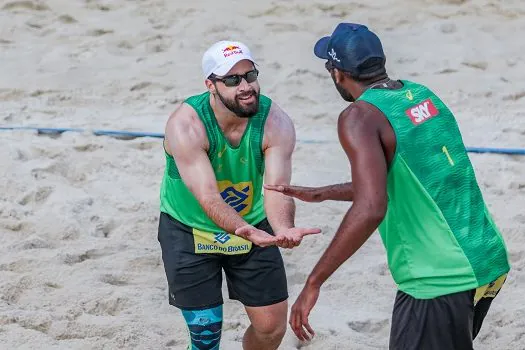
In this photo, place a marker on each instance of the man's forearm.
(222, 214)
(280, 210)
(337, 192)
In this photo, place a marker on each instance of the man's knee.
(269, 322)
(204, 327)
(271, 330)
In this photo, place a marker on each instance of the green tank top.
(238, 171)
(438, 233)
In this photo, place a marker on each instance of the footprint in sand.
(60, 168)
(11, 292)
(33, 242)
(12, 224)
(514, 97)
(114, 280)
(145, 145)
(91, 254)
(103, 227)
(67, 19)
(20, 265)
(107, 307)
(25, 5)
(369, 326)
(100, 7)
(476, 65)
(99, 32)
(70, 330)
(89, 147)
(38, 196)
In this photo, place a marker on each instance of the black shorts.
(449, 322)
(255, 278)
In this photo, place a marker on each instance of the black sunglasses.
(235, 80)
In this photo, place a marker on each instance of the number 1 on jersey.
(445, 150)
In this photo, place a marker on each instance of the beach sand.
(80, 264)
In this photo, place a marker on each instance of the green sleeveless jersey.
(238, 171)
(438, 234)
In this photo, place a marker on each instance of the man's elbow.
(376, 212)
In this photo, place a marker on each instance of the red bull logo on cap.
(231, 50)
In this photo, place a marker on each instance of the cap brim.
(321, 48)
(225, 68)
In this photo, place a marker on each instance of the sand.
(80, 265)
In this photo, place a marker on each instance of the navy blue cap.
(349, 47)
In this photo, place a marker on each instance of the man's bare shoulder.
(361, 114)
(184, 126)
(184, 114)
(279, 126)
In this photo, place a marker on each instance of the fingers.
(268, 240)
(244, 231)
(299, 324)
(285, 242)
(309, 231)
(295, 323)
(306, 324)
(278, 188)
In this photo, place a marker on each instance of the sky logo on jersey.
(222, 237)
(422, 112)
(238, 196)
(231, 50)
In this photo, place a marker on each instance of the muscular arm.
(187, 143)
(359, 137)
(337, 192)
(279, 143)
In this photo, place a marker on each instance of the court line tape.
(124, 134)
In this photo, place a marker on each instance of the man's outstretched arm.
(337, 192)
(360, 139)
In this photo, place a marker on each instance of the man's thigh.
(194, 280)
(433, 324)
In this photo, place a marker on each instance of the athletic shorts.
(255, 278)
(449, 322)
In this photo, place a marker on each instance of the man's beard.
(235, 106)
(344, 94)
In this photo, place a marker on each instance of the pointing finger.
(310, 231)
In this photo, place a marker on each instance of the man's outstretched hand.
(257, 237)
(306, 194)
(288, 238)
(292, 237)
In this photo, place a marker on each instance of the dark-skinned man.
(412, 180)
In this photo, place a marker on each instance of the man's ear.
(210, 85)
(339, 76)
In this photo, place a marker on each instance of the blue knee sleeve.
(204, 327)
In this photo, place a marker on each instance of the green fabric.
(438, 234)
(238, 170)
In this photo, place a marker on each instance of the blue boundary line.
(137, 134)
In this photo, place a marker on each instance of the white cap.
(222, 56)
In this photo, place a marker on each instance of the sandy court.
(80, 265)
